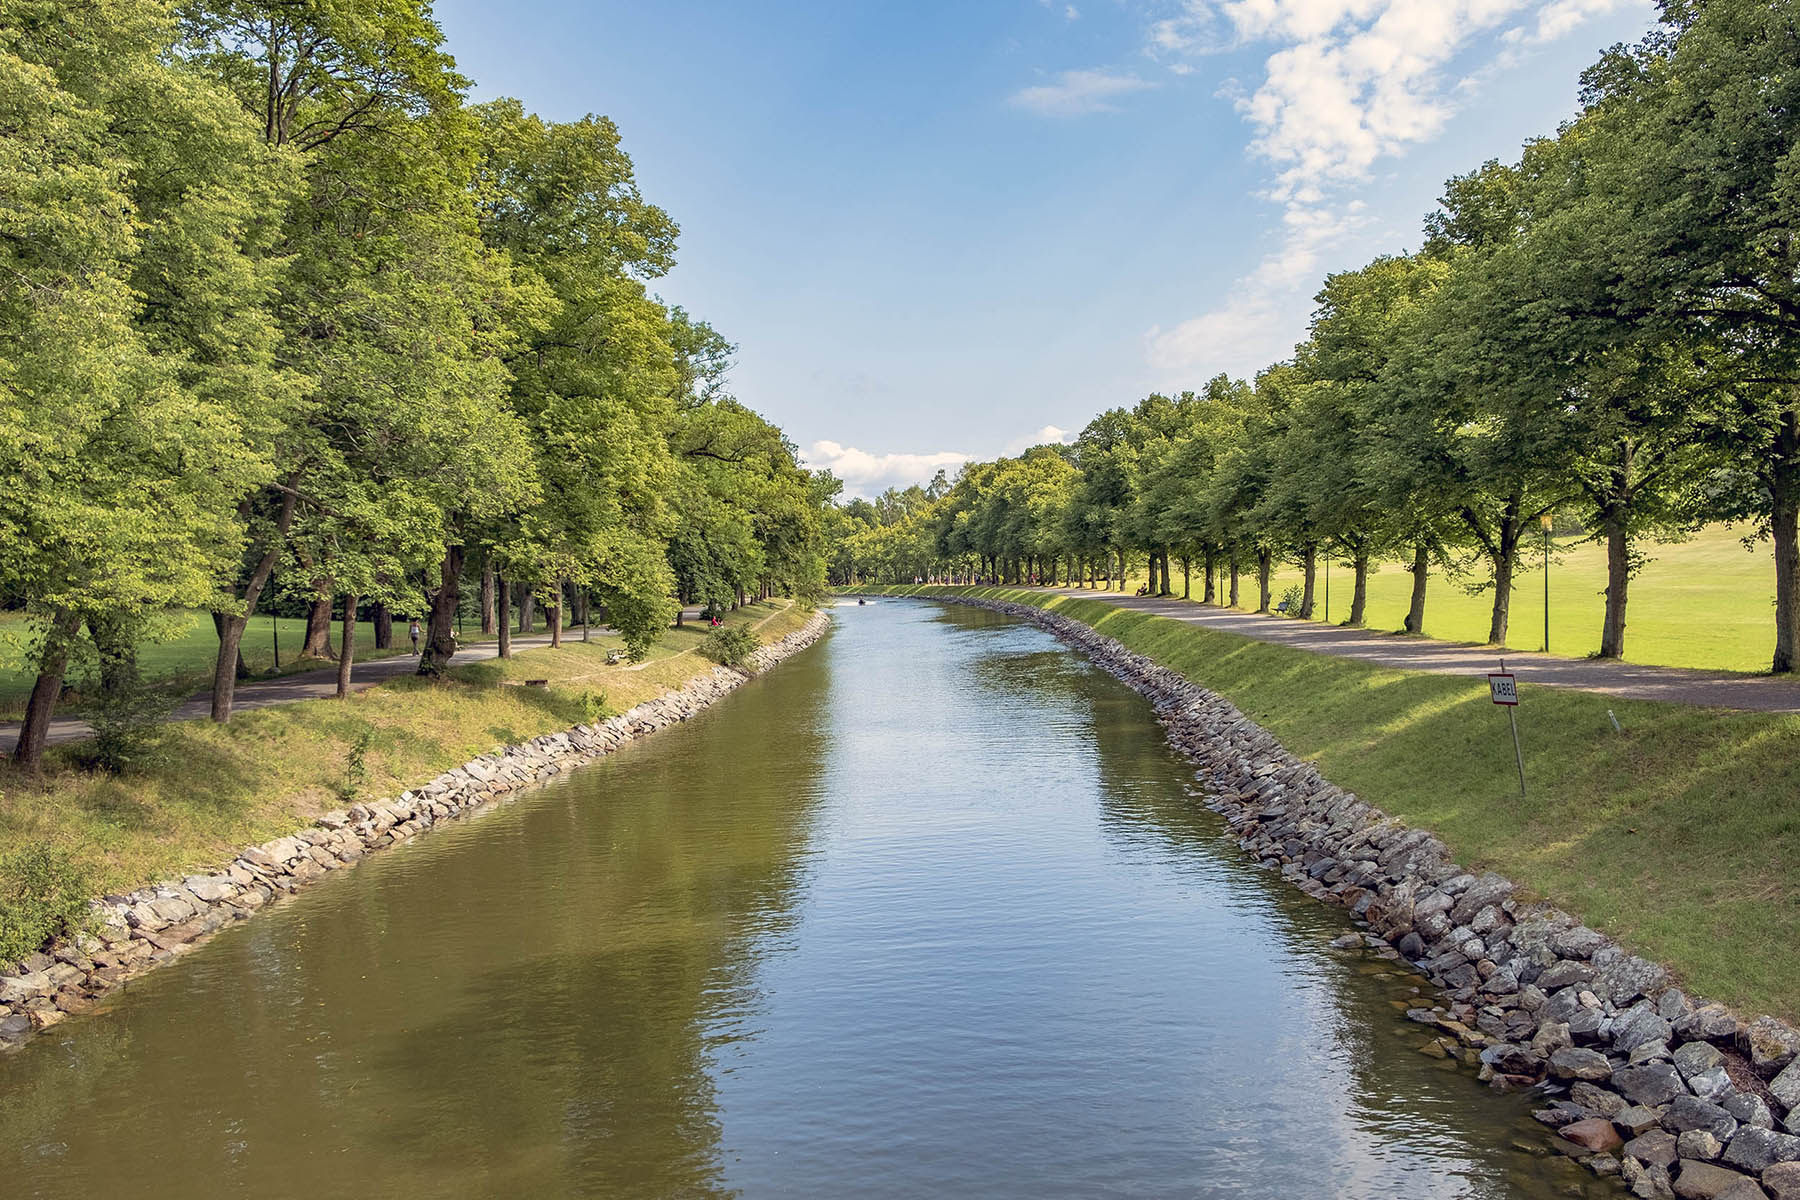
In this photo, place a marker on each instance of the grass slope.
(1680, 836)
(215, 788)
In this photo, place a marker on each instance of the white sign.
(1504, 687)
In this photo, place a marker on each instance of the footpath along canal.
(930, 909)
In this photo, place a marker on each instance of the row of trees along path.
(1605, 331)
(284, 310)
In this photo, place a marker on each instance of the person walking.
(412, 631)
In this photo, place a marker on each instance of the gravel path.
(1678, 685)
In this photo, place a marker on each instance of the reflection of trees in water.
(523, 1006)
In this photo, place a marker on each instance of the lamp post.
(1547, 523)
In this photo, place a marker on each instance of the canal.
(929, 910)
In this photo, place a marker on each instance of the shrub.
(356, 766)
(594, 706)
(1293, 598)
(127, 720)
(729, 645)
(43, 895)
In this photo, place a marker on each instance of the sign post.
(1503, 686)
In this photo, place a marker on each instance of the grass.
(215, 788)
(1706, 602)
(1680, 836)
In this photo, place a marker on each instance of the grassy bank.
(211, 789)
(1679, 836)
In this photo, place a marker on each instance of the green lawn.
(1680, 836)
(1707, 602)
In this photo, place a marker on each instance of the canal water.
(929, 911)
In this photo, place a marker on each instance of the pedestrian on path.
(412, 631)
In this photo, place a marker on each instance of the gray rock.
(1550, 1037)
(17, 989)
(1579, 942)
(1623, 977)
(1655, 1147)
(1786, 1086)
(1748, 1109)
(1782, 1181)
(1712, 1023)
(1770, 1045)
(1585, 1025)
(1565, 974)
(1691, 1112)
(1712, 1085)
(1754, 1150)
(1657, 1083)
(1698, 1144)
(1649, 1052)
(1637, 1119)
(1490, 889)
(1639, 1026)
(1704, 1181)
(1673, 1005)
(1587, 1065)
(15, 1028)
(210, 888)
(1695, 1057)
(1598, 1100)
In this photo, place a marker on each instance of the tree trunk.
(1504, 555)
(1421, 571)
(231, 628)
(1234, 580)
(1359, 596)
(1209, 590)
(526, 612)
(1618, 583)
(440, 635)
(117, 651)
(28, 753)
(1265, 561)
(581, 599)
(553, 614)
(503, 595)
(1187, 578)
(487, 598)
(383, 620)
(1784, 514)
(1309, 560)
(239, 671)
(318, 626)
(347, 647)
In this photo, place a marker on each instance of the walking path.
(1636, 681)
(307, 685)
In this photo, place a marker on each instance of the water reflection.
(930, 910)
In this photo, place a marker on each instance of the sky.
(952, 229)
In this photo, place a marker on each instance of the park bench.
(1283, 607)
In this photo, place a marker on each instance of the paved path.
(306, 685)
(1679, 685)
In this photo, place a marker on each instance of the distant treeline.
(277, 302)
(1607, 330)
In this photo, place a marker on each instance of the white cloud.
(1048, 435)
(1346, 84)
(1077, 93)
(866, 475)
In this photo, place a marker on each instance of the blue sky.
(941, 230)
